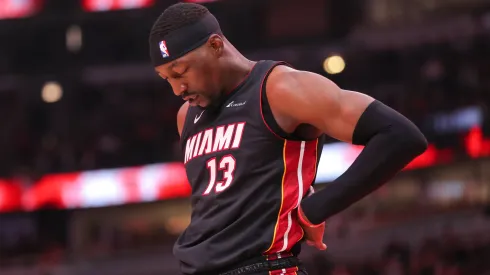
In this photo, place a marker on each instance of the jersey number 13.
(226, 164)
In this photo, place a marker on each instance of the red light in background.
(111, 5)
(10, 196)
(476, 144)
(428, 158)
(200, 1)
(474, 141)
(10, 9)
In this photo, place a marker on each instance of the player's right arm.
(391, 141)
(181, 115)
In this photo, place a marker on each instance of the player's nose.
(179, 88)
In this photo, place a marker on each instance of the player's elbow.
(418, 143)
(411, 139)
(408, 137)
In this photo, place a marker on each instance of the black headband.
(166, 48)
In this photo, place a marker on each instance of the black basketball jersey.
(247, 180)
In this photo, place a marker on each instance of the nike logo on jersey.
(233, 104)
(196, 119)
(214, 140)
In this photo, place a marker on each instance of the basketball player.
(250, 136)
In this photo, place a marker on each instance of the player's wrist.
(304, 220)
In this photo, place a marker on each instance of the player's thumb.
(320, 246)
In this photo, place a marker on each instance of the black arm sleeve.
(391, 140)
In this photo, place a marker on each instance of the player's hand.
(313, 233)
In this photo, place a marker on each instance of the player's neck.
(239, 68)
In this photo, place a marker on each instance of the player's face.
(195, 77)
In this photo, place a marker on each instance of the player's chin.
(194, 101)
(199, 101)
(203, 103)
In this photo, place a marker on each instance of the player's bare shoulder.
(181, 115)
(286, 87)
(286, 83)
(284, 91)
(280, 80)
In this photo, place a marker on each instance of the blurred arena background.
(90, 175)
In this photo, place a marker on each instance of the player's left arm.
(391, 140)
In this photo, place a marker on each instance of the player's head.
(187, 48)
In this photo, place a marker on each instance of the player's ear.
(216, 44)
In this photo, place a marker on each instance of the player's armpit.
(181, 115)
(391, 140)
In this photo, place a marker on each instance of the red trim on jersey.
(287, 231)
(260, 96)
(310, 159)
(276, 228)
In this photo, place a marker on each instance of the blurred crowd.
(423, 80)
(444, 257)
(88, 129)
